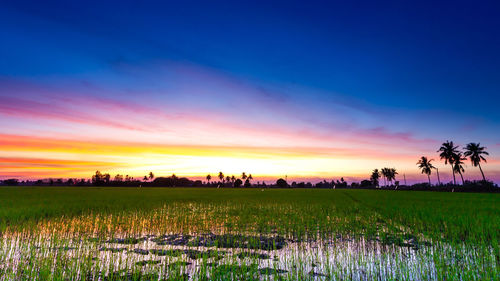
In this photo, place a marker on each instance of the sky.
(311, 90)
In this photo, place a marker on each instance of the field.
(90, 233)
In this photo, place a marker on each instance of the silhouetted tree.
(385, 174)
(448, 153)
(106, 178)
(281, 183)
(209, 177)
(375, 177)
(118, 178)
(391, 175)
(11, 182)
(145, 178)
(437, 172)
(97, 179)
(366, 183)
(426, 167)
(237, 183)
(221, 176)
(475, 153)
(228, 179)
(458, 160)
(151, 176)
(243, 176)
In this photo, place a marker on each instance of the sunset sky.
(311, 90)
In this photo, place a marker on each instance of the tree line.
(449, 152)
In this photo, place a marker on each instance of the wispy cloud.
(190, 114)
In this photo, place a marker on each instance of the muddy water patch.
(223, 241)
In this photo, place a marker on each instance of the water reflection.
(266, 257)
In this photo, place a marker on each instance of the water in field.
(202, 256)
(248, 235)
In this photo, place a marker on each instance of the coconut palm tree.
(243, 176)
(458, 160)
(448, 152)
(228, 179)
(221, 176)
(374, 177)
(385, 174)
(475, 153)
(437, 172)
(250, 177)
(426, 166)
(391, 174)
(151, 176)
(209, 177)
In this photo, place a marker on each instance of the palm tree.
(374, 177)
(458, 160)
(437, 172)
(221, 176)
(385, 174)
(475, 153)
(250, 177)
(391, 174)
(151, 176)
(209, 177)
(243, 176)
(448, 152)
(426, 166)
(228, 179)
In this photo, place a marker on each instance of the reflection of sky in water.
(338, 258)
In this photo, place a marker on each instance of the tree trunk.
(453, 171)
(429, 177)
(437, 171)
(484, 179)
(463, 183)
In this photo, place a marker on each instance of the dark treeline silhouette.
(448, 152)
(174, 181)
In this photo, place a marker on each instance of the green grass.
(469, 217)
(462, 228)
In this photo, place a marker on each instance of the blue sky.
(424, 69)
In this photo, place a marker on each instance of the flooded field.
(253, 238)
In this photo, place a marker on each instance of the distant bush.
(366, 183)
(281, 183)
(238, 183)
(11, 182)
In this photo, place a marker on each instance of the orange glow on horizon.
(37, 157)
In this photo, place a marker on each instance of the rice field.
(82, 233)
